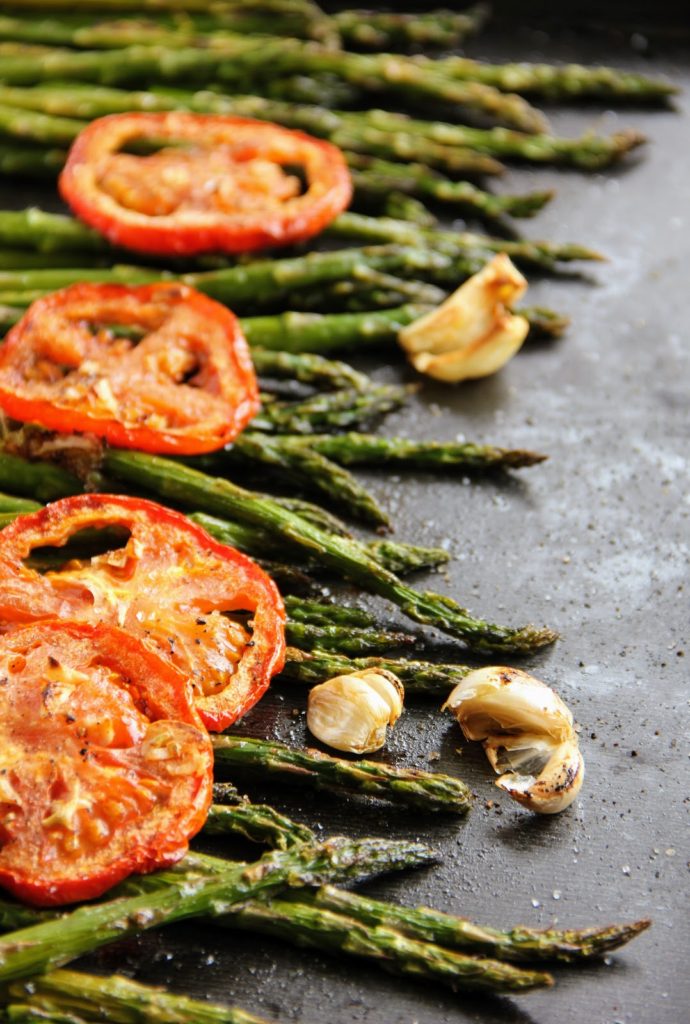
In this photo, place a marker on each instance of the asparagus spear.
(423, 678)
(318, 928)
(381, 30)
(334, 410)
(409, 786)
(220, 497)
(50, 944)
(312, 469)
(348, 640)
(310, 369)
(404, 207)
(9, 503)
(517, 944)
(240, 57)
(589, 152)
(320, 613)
(544, 255)
(119, 1000)
(38, 480)
(354, 449)
(257, 822)
(327, 333)
(395, 557)
(374, 177)
(31, 161)
(561, 82)
(424, 924)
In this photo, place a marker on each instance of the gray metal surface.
(595, 543)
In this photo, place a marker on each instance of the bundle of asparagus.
(90, 58)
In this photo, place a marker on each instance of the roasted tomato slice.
(182, 381)
(207, 608)
(226, 184)
(104, 769)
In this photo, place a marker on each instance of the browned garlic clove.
(473, 333)
(353, 712)
(528, 734)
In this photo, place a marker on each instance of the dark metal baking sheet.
(594, 542)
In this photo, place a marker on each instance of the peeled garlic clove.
(473, 333)
(555, 787)
(352, 712)
(498, 699)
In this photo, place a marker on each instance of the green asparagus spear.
(409, 786)
(561, 82)
(310, 469)
(544, 322)
(335, 410)
(352, 641)
(257, 822)
(52, 944)
(544, 255)
(9, 503)
(320, 613)
(328, 333)
(395, 557)
(423, 678)
(220, 497)
(376, 177)
(118, 1000)
(404, 207)
(517, 944)
(310, 369)
(41, 481)
(318, 928)
(589, 152)
(242, 57)
(381, 30)
(31, 161)
(354, 449)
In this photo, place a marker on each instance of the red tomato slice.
(224, 185)
(188, 386)
(204, 606)
(103, 768)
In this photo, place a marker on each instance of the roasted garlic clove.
(554, 786)
(473, 333)
(352, 712)
(498, 699)
(528, 734)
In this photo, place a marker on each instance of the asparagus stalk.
(31, 161)
(327, 333)
(380, 30)
(544, 322)
(374, 177)
(320, 613)
(318, 928)
(312, 469)
(395, 557)
(588, 152)
(544, 255)
(50, 944)
(336, 410)
(517, 944)
(561, 82)
(423, 678)
(404, 207)
(354, 449)
(259, 823)
(310, 369)
(41, 481)
(117, 999)
(240, 57)
(408, 786)
(352, 641)
(220, 497)
(10, 503)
